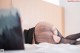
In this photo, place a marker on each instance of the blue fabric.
(10, 30)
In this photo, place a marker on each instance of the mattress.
(48, 48)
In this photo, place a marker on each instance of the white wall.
(72, 16)
(34, 11)
(56, 2)
(5, 4)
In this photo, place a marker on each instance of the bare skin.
(46, 32)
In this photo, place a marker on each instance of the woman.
(45, 32)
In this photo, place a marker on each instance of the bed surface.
(48, 48)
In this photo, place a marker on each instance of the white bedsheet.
(48, 48)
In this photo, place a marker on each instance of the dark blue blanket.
(10, 30)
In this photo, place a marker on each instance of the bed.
(48, 48)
